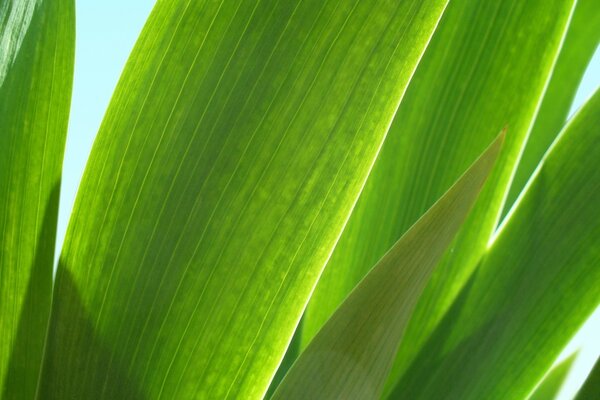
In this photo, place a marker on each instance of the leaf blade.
(351, 356)
(535, 287)
(208, 227)
(474, 77)
(550, 386)
(576, 52)
(36, 73)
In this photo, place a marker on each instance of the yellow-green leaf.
(535, 287)
(550, 386)
(352, 354)
(232, 153)
(486, 67)
(581, 41)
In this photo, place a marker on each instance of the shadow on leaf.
(76, 360)
(26, 356)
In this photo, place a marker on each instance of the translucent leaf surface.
(352, 354)
(36, 74)
(229, 160)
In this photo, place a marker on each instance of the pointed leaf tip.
(351, 356)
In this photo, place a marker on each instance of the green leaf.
(352, 354)
(291, 354)
(581, 41)
(231, 155)
(486, 67)
(591, 386)
(535, 287)
(36, 72)
(549, 388)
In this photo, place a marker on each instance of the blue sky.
(102, 50)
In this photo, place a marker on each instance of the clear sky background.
(106, 33)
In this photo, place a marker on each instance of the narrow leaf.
(550, 386)
(352, 354)
(36, 72)
(487, 66)
(536, 286)
(581, 41)
(234, 149)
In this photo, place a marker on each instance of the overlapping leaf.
(535, 287)
(581, 41)
(487, 66)
(229, 160)
(36, 68)
(549, 388)
(352, 354)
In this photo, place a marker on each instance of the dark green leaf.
(591, 386)
(36, 73)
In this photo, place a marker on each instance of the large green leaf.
(486, 67)
(228, 162)
(352, 354)
(550, 386)
(36, 72)
(534, 288)
(581, 41)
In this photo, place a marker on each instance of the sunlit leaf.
(549, 388)
(352, 354)
(535, 287)
(231, 156)
(486, 67)
(581, 41)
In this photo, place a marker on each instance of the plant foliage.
(319, 176)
